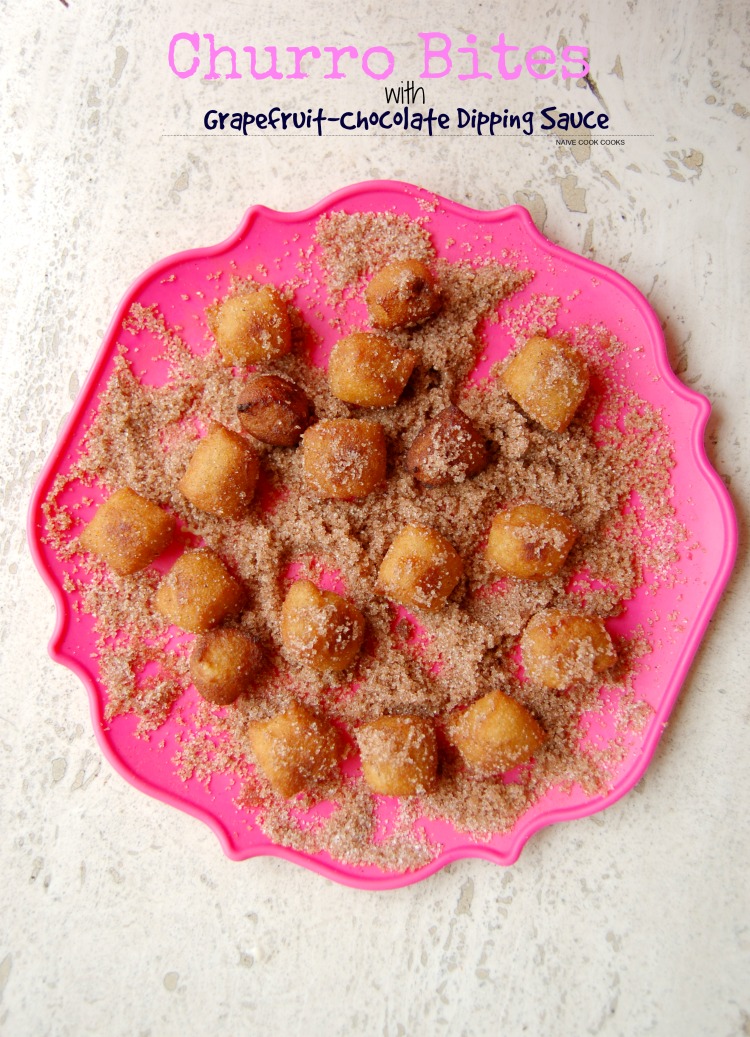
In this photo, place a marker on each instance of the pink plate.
(592, 295)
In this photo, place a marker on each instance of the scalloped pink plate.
(268, 246)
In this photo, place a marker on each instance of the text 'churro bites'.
(344, 458)
(251, 327)
(128, 532)
(296, 749)
(274, 410)
(495, 733)
(402, 295)
(223, 662)
(399, 755)
(321, 628)
(530, 542)
(548, 380)
(559, 648)
(222, 474)
(420, 569)
(448, 449)
(199, 592)
(369, 370)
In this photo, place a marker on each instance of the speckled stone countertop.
(121, 915)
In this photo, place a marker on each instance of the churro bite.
(530, 542)
(448, 449)
(402, 295)
(128, 532)
(222, 664)
(559, 648)
(251, 327)
(344, 458)
(494, 734)
(222, 474)
(321, 628)
(199, 592)
(420, 569)
(274, 410)
(399, 755)
(548, 380)
(296, 749)
(369, 370)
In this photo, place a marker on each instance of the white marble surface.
(120, 915)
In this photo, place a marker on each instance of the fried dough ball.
(274, 410)
(369, 370)
(128, 532)
(344, 458)
(252, 327)
(494, 734)
(399, 755)
(530, 542)
(448, 449)
(199, 592)
(559, 648)
(222, 474)
(420, 569)
(321, 628)
(402, 295)
(222, 663)
(548, 380)
(295, 749)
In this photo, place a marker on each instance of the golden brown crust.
(369, 370)
(344, 458)
(402, 294)
(128, 532)
(559, 648)
(420, 569)
(448, 449)
(399, 755)
(321, 628)
(295, 749)
(252, 326)
(199, 592)
(222, 474)
(530, 542)
(274, 410)
(548, 380)
(495, 733)
(223, 662)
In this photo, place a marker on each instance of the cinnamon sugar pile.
(143, 437)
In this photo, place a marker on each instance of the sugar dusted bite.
(128, 532)
(252, 326)
(295, 750)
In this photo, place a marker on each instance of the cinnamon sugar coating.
(295, 749)
(320, 628)
(530, 542)
(222, 664)
(251, 326)
(222, 474)
(401, 295)
(128, 532)
(549, 380)
(344, 458)
(435, 669)
(399, 755)
(198, 592)
(559, 648)
(495, 733)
